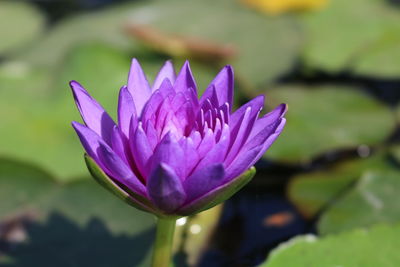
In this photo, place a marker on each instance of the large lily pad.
(20, 24)
(381, 59)
(312, 192)
(373, 200)
(327, 118)
(267, 47)
(376, 247)
(271, 52)
(335, 44)
(36, 109)
(71, 220)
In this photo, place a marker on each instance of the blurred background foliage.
(333, 175)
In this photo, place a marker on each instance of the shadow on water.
(62, 243)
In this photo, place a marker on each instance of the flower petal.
(165, 188)
(185, 79)
(217, 195)
(256, 105)
(169, 152)
(118, 144)
(252, 152)
(92, 112)
(207, 143)
(118, 170)
(190, 154)
(126, 110)
(239, 134)
(203, 180)
(223, 84)
(89, 139)
(265, 126)
(141, 149)
(218, 152)
(167, 71)
(268, 119)
(138, 86)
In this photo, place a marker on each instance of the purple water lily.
(172, 153)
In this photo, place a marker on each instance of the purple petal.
(152, 106)
(151, 135)
(118, 144)
(185, 79)
(271, 139)
(92, 112)
(196, 137)
(190, 155)
(166, 88)
(165, 188)
(117, 169)
(138, 86)
(218, 152)
(241, 132)
(223, 84)
(250, 154)
(141, 149)
(166, 72)
(90, 140)
(169, 152)
(243, 161)
(265, 126)
(256, 105)
(126, 110)
(238, 134)
(206, 144)
(203, 180)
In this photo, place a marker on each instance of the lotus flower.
(171, 153)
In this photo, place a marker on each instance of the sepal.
(124, 194)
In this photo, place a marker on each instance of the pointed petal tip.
(75, 124)
(74, 83)
(229, 69)
(282, 109)
(134, 61)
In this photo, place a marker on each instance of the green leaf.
(267, 47)
(325, 118)
(375, 247)
(22, 187)
(373, 200)
(335, 44)
(383, 53)
(312, 192)
(221, 194)
(395, 152)
(70, 220)
(20, 24)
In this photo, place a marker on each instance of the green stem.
(163, 245)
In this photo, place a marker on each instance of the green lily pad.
(267, 47)
(395, 152)
(70, 220)
(373, 200)
(335, 44)
(375, 247)
(384, 53)
(42, 133)
(271, 52)
(326, 118)
(37, 106)
(20, 24)
(105, 26)
(311, 192)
